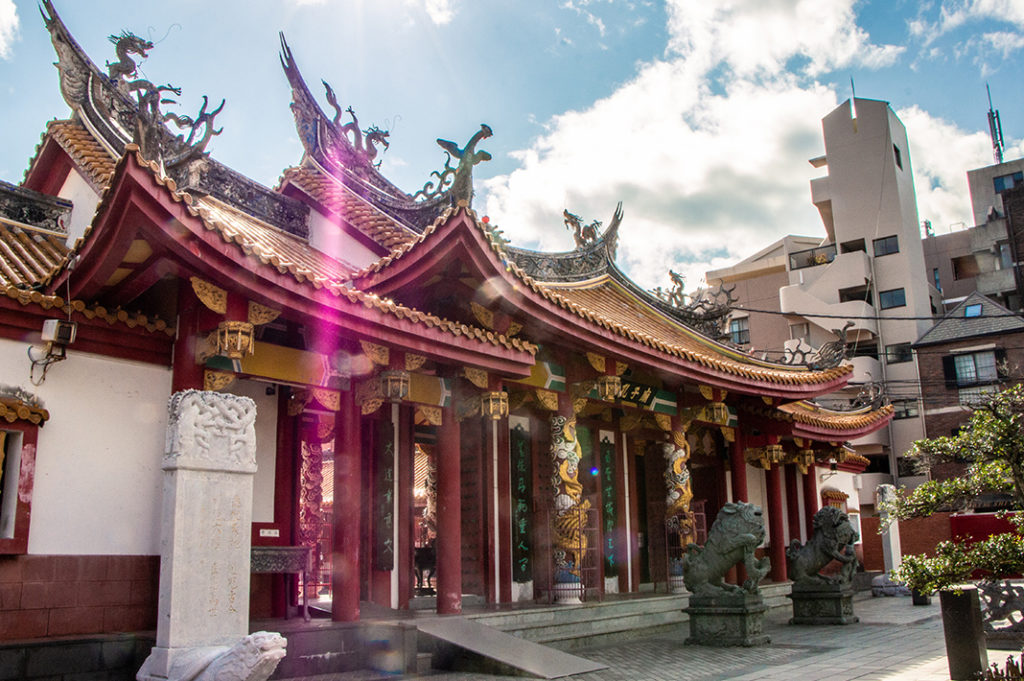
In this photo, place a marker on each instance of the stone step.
(567, 614)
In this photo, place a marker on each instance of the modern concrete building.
(867, 272)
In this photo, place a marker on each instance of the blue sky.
(700, 116)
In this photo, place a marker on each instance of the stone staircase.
(616, 619)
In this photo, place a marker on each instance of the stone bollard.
(965, 637)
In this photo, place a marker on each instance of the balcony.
(865, 369)
(996, 282)
(812, 257)
(983, 237)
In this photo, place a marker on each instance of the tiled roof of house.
(342, 201)
(992, 318)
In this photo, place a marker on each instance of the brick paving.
(894, 641)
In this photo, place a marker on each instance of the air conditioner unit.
(59, 331)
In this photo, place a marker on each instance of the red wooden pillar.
(449, 516)
(792, 503)
(347, 511)
(504, 474)
(810, 498)
(738, 465)
(777, 548)
(185, 373)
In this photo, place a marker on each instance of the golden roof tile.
(88, 154)
(813, 415)
(354, 209)
(28, 257)
(13, 409)
(116, 316)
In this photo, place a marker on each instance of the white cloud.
(954, 14)
(752, 36)
(440, 11)
(8, 27)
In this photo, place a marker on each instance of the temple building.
(442, 417)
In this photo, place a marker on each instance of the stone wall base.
(822, 604)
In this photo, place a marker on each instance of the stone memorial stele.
(203, 606)
(820, 598)
(724, 614)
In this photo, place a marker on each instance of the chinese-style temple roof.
(822, 420)
(32, 230)
(342, 201)
(208, 219)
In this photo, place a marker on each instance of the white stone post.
(892, 556)
(203, 606)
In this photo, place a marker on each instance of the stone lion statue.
(736, 533)
(833, 539)
(254, 658)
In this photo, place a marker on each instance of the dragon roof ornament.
(121, 109)
(457, 183)
(828, 355)
(350, 154)
(705, 312)
(595, 257)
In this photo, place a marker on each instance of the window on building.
(895, 297)
(852, 246)
(973, 310)
(898, 352)
(1004, 182)
(739, 330)
(965, 267)
(886, 245)
(898, 156)
(975, 395)
(17, 466)
(1005, 257)
(974, 368)
(904, 409)
(801, 331)
(861, 293)
(862, 349)
(935, 279)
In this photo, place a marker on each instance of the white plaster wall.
(327, 237)
(84, 201)
(266, 446)
(98, 478)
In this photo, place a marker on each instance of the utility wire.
(873, 317)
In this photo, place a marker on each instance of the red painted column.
(777, 548)
(449, 517)
(185, 373)
(792, 502)
(347, 511)
(738, 464)
(810, 498)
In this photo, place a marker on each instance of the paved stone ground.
(894, 641)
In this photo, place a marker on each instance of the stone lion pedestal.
(729, 619)
(727, 614)
(820, 598)
(822, 604)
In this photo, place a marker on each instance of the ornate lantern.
(394, 384)
(608, 387)
(235, 340)
(774, 453)
(718, 412)
(494, 404)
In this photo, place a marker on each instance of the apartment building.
(865, 277)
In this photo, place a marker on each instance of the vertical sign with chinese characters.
(522, 502)
(384, 498)
(607, 453)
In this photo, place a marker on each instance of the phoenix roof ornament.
(827, 356)
(706, 312)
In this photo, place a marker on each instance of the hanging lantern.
(494, 404)
(774, 453)
(609, 387)
(394, 384)
(235, 340)
(718, 412)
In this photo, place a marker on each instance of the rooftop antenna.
(995, 129)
